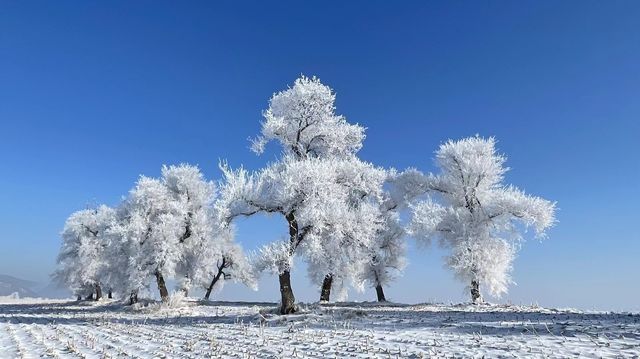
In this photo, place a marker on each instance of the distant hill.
(26, 288)
(10, 285)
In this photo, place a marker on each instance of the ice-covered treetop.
(150, 197)
(88, 222)
(470, 164)
(181, 188)
(188, 185)
(303, 120)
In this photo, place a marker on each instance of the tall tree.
(480, 215)
(323, 191)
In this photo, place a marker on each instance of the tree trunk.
(79, 297)
(325, 291)
(213, 283)
(89, 297)
(110, 294)
(162, 287)
(286, 293)
(380, 293)
(287, 299)
(475, 292)
(133, 297)
(98, 292)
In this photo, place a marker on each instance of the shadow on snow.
(483, 320)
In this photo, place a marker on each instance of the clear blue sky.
(92, 95)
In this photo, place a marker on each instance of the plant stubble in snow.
(193, 329)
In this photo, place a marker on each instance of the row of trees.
(342, 214)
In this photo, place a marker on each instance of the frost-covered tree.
(170, 230)
(193, 197)
(303, 120)
(325, 193)
(387, 259)
(153, 230)
(209, 252)
(480, 217)
(81, 260)
(231, 264)
(344, 264)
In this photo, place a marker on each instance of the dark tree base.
(98, 292)
(133, 298)
(475, 292)
(380, 293)
(288, 300)
(162, 287)
(325, 291)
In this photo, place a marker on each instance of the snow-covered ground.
(32, 328)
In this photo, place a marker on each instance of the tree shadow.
(498, 321)
(482, 320)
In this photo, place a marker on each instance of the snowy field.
(63, 329)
